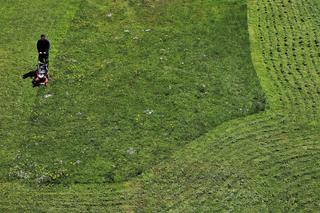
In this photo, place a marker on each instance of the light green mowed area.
(141, 94)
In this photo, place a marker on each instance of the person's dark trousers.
(44, 58)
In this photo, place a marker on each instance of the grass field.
(156, 106)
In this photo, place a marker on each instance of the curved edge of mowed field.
(262, 162)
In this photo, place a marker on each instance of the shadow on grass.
(30, 74)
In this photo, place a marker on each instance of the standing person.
(43, 46)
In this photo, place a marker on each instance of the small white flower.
(131, 151)
(41, 179)
(78, 162)
(148, 111)
(147, 30)
(109, 15)
(47, 95)
(22, 174)
(126, 31)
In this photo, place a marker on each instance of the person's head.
(43, 36)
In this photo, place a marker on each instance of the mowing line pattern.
(265, 162)
(290, 47)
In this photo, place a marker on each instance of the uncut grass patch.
(21, 24)
(130, 88)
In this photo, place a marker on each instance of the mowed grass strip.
(271, 165)
(135, 81)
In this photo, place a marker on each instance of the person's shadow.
(30, 74)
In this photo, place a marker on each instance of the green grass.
(264, 162)
(129, 90)
(155, 108)
(20, 30)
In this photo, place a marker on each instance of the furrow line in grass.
(284, 158)
(271, 29)
(300, 50)
(304, 178)
(285, 173)
(313, 42)
(274, 79)
(264, 119)
(250, 150)
(306, 49)
(294, 152)
(260, 133)
(255, 130)
(315, 56)
(296, 94)
(288, 155)
(251, 133)
(278, 56)
(258, 48)
(292, 56)
(283, 79)
(311, 80)
(233, 141)
(283, 93)
(292, 95)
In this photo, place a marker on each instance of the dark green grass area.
(133, 82)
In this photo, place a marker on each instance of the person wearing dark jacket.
(43, 46)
